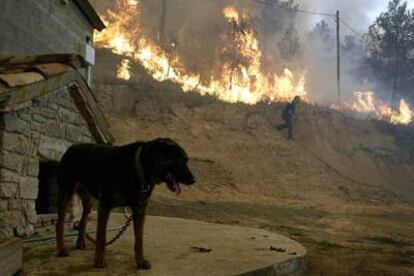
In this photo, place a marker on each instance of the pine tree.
(390, 44)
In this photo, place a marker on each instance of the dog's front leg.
(103, 216)
(139, 218)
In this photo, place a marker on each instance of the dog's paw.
(144, 265)
(99, 263)
(80, 244)
(63, 253)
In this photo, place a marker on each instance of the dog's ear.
(166, 141)
(163, 150)
(155, 151)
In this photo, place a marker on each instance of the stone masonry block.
(29, 209)
(9, 176)
(16, 143)
(4, 205)
(55, 129)
(29, 187)
(53, 106)
(38, 127)
(33, 167)
(14, 124)
(53, 148)
(25, 116)
(86, 139)
(11, 161)
(8, 190)
(68, 116)
(16, 204)
(39, 118)
(64, 102)
(48, 113)
(73, 133)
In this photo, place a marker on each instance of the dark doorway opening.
(47, 195)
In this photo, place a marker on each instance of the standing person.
(288, 115)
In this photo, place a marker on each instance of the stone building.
(46, 103)
(33, 27)
(45, 106)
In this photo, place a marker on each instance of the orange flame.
(245, 83)
(231, 13)
(123, 71)
(365, 102)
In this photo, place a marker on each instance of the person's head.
(296, 100)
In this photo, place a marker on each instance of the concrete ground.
(176, 247)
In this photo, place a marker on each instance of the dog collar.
(146, 186)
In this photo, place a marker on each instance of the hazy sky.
(382, 5)
(358, 13)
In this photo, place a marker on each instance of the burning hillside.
(242, 77)
(366, 103)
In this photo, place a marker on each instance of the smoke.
(197, 28)
(357, 13)
(321, 56)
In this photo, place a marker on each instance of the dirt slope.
(236, 149)
(343, 188)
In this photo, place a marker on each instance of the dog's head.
(169, 164)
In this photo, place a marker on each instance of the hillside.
(343, 186)
(235, 147)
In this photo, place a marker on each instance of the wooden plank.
(51, 69)
(5, 57)
(92, 115)
(21, 79)
(74, 60)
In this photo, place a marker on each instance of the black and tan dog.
(117, 176)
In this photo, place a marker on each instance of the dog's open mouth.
(172, 184)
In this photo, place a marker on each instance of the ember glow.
(239, 82)
(366, 103)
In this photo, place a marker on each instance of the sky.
(360, 14)
(382, 5)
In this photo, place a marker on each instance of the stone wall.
(33, 27)
(42, 132)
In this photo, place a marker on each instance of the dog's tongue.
(176, 185)
(177, 188)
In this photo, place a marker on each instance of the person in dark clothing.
(288, 115)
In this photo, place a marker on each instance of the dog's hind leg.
(103, 217)
(138, 214)
(66, 190)
(87, 206)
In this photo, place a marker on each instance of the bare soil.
(344, 188)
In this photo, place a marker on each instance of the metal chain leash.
(117, 236)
